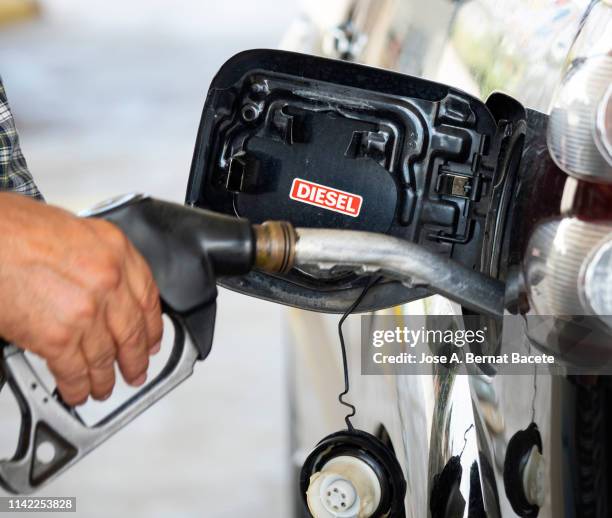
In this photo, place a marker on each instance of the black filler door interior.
(331, 144)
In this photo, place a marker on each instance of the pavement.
(107, 97)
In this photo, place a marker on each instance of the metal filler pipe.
(280, 247)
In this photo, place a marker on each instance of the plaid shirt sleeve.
(14, 174)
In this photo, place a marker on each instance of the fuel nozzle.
(177, 240)
(279, 247)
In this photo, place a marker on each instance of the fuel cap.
(352, 474)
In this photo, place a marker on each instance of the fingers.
(132, 308)
(71, 372)
(125, 320)
(145, 291)
(99, 350)
(59, 340)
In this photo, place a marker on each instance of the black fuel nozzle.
(188, 249)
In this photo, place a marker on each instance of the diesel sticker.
(326, 197)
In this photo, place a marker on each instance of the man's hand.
(77, 293)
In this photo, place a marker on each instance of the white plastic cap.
(346, 487)
(338, 494)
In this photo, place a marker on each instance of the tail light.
(569, 269)
(580, 127)
(568, 259)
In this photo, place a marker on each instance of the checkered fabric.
(14, 174)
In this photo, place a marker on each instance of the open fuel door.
(330, 144)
